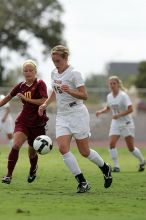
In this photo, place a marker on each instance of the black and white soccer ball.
(43, 144)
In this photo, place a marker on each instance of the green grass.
(53, 194)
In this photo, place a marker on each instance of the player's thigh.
(113, 139)
(83, 146)
(64, 143)
(19, 139)
(130, 142)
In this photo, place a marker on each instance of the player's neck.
(63, 69)
(29, 83)
(115, 93)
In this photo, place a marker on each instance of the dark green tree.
(140, 81)
(40, 19)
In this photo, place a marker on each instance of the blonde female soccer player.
(28, 125)
(122, 123)
(72, 118)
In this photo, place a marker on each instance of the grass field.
(53, 194)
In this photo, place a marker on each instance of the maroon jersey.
(29, 114)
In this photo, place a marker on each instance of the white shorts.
(7, 126)
(75, 124)
(124, 131)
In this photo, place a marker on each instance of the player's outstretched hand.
(41, 109)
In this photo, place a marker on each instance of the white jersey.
(3, 110)
(119, 104)
(65, 102)
(8, 125)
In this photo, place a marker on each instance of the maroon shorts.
(30, 132)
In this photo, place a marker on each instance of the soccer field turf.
(53, 194)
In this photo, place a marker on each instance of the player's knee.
(131, 148)
(16, 146)
(112, 145)
(63, 150)
(85, 153)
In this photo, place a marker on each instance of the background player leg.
(114, 153)
(136, 152)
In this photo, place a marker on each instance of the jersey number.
(57, 89)
(27, 95)
(115, 109)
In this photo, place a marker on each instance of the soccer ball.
(43, 144)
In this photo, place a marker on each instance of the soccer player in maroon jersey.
(28, 124)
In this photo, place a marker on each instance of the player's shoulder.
(73, 70)
(40, 82)
(75, 74)
(109, 95)
(123, 93)
(19, 85)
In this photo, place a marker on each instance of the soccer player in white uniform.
(72, 118)
(6, 121)
(122, 122)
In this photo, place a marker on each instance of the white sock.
(71, 163)
(137, 153)
(114, 155)
(95, 158)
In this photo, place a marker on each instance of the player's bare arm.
(33, 101)
(104, 110)
(5, 100)
(50, 99)
(43, 107)
(121, 114)
(79, 93)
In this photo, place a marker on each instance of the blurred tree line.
(101, 81)
(97, 84)
(39, 19)
(140, 81)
